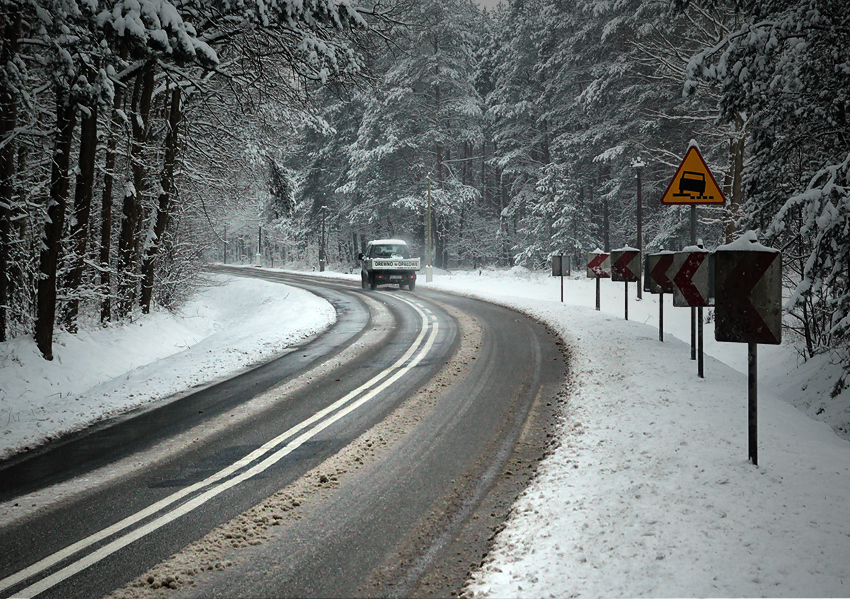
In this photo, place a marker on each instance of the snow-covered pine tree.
(518, 112)
(787, 68)
(425, 112)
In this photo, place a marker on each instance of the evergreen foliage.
(227, 129)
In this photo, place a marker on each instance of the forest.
(142, 139)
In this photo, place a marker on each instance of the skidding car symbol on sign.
(693, 183)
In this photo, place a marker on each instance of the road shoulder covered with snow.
(230, 325)
(650, 492)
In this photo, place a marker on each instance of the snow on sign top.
(748, 242)
(693, 182)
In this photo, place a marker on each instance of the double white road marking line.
(268, 455)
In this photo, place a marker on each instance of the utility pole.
(429, 270)
(258, 257)
(322, 244)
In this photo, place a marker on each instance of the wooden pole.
(429, 271)
(558, 268)
(639, 226)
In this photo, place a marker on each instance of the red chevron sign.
(658, 266)
(598, 265)
(748, 306)
(625, 265)
(692, 278)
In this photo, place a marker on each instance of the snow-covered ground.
(649, 492)
(231, 324)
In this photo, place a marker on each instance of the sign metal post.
(748, 309)
(558, 270)
(752, 400)
(598, 294)
(598, 267)
(700, 354)
(657, 280)
(693, 310)
(625, 267)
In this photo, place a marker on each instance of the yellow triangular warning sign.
(693, 183)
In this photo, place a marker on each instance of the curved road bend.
(382, 471)
(77, 454)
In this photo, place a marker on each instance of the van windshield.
(390, 251)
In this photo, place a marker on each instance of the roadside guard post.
(598, 267)
(748, 309)
(625, 267)
(656, 279)
(693, 285)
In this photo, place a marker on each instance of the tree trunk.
(165, 200)
(484, 195)
(128, 241)
(438, 150)
(106, 208)
(606, 221)
(82, 211)
(439, 242)
(9, 44)
(52, 237)
(504, 183)
(737, 171)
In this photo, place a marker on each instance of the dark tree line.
(104, 109)
(138, 139)
(526, 121)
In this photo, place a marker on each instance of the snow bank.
(651, 494)
(230, 325)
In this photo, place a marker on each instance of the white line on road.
(397, 370)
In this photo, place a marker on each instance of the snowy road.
(353, 476)
(135, 430)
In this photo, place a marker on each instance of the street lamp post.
(322, 244)
(639, 165)
(258, 256)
